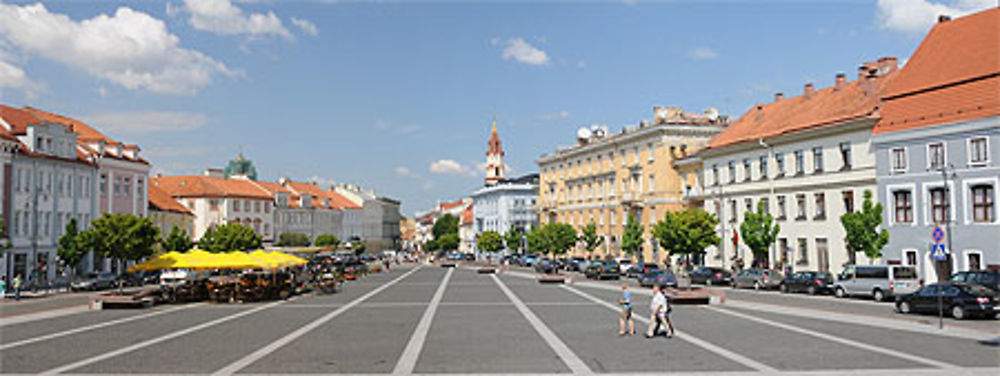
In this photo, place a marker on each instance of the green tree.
(121, 237)
(327, 240)
(687, 232)
(177, 241)
(447, 224)
(537, 243)
(293, 239)
(229, 237)
(447, 242)
(70, 249)
(431, 245)
(632, 237)
(862, 229)
(513, 239)
(359, 247)
(591, 240)
(489, 241)
(759, 231)
(5, 242)
(560, 237)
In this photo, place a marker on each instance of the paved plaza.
(433, 320)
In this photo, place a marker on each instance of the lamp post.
(947, 234)
(722, 222)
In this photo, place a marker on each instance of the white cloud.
(917, 16)
(703, 53)
(405, 172)
(13, 77)
(449, 166)
(523, 52)
(147, 121)
(306, 26)
(130, 48)
(557, 115)
(222, 17)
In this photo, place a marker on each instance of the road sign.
(937, 234)
(938, 252)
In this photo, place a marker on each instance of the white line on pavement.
(750, 363)
(408, 360)
(844, 341)
(575, 364)
(53, 313)
(92, 327)
(156, 340)
(853, 372)
(273, 346)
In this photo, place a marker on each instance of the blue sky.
(399, 96)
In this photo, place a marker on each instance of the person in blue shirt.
(626, 302)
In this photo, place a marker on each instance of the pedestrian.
(626, 302)
(659, 309)
(3, 287)
(17, 287)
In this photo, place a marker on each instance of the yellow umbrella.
(279, 258)
(164, 261)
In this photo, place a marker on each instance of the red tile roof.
(5, 134)
(160, 200)
(336, 200)
(18, 119)
(830, 106)
(467, 215)
(208, 186)
(450, 205)
(83, 131)
(953, 76)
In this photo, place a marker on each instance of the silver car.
(758, 279)
(880, 282)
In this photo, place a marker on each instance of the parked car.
(758, 279)
(657, 277)
(960, 300)
(545, 265)
(603, 270)
(877, 281)
(528, 260)
(638, 270)
(573, 264)
(93, 282)
(809, 282)
(988, 278)
(707, 275)
(469, 257)
(624, 265)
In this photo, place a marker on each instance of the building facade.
(378, 221)
(507, 205)
(215, 200)
(938, 149)
(167, 213)
(607, 177)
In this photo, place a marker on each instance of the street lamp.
(947, 233)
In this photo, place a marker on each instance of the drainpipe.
(770, 184)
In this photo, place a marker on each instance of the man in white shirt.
(659, 308)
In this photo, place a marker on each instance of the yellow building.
(606, 177)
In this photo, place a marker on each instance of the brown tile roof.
(18, 119)
(208, 186)
(449, 205)
(160, 200)
(953, 76)
(83, 131)
(5, 134)
(467, 215)
(830, 106)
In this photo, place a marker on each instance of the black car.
(809, 282)
(662, 278)
(638, 270)
(988, 278)
(960, 300)
(545, 266)
(707, 275)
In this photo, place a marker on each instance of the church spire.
(494, 157)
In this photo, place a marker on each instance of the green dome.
(241, 167)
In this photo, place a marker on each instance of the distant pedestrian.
(626, 302)
(659, 309)
(3, 287)
(17, 287)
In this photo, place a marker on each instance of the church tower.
(494, 158)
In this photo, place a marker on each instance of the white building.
(217, 200)
(378, 220)
(508, 204)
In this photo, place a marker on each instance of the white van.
(878, 281)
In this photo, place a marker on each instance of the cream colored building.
(167, 213)
(606, 177)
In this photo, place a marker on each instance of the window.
(126, 186)
(748, 202)
(236, 206)
(939, 205)
(935, 156)
(903, 203)
(898, 159)
(651, 183)
(782, 210)
(139, 187)
(256, 207)
(732, 172)
(732, 211)
(820, 199)
(104, 184)
(715, 175)
(614, 217)
(649, 146)
(213, 204)
(767, 204)
(779, 161)
(982, 204)
(911, 258)
(978, 151)
(845, 155)
(974, 261)
(817, 159)
(803, 251)
(762, 167)
(118, 186)
(848, 197)
(800, 163)
(800, 199)
(747, 173)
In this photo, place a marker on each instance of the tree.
(293, 239)
(632, 237)
(537, 241)
(5, 242)
(591, 240)
(177, 241)
(759, 231)
(359, 247)
(862, 229)
(121, 237)
(687, 232)
(229, 237)
(70, 250)
(326, 240)
(430, 245)
(489, 241)
(558, 237)
(513, 239)
(447, 242)
(447, 224)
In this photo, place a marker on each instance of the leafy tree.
(559, 238)
(229, 237)
(862, 228)
(177, 241)
(359, 247)
(759, 231)
(489, 241)
(687, 232)
(4, 243)
(431, 245)
(70, 249)
(447, 224)
(121, 236)
(327, 240)
(447, 242)
(591, 240)
(632, 237)
(293, 239)
(537, 241)
(513, 239)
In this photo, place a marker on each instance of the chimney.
(778, 97)
(840, 80)
(944, 18)
(887, 65)
(809, 89)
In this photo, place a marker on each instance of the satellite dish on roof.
(583, 134)
(712, 113)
